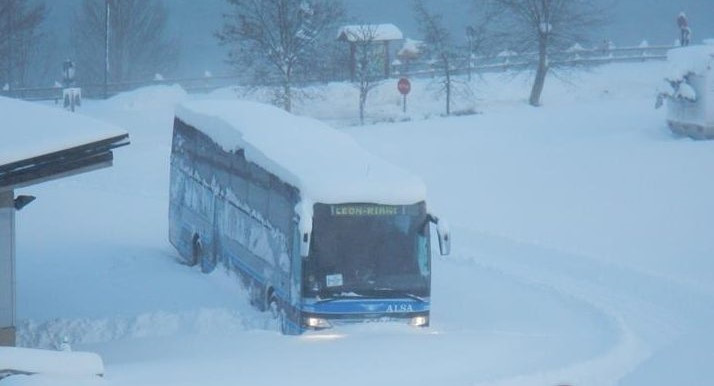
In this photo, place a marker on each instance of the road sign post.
(404, 87)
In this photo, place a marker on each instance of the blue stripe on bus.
(366, 306)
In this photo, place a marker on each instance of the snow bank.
(325, 164)
(29, 130)
(31, 361)
(48, 380)
(149, 98)
(154, 324)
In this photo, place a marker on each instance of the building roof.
(373, 32)
(39, 143)
(328, 166)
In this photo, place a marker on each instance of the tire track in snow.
(627, 298)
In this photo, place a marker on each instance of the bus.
(320, 232)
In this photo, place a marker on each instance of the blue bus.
(238, 201)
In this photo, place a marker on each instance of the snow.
(326, 165)
(581, 248)
(687, 92)
(576, 48)
(375, 32)
(29, 130)
(545, 28)
(690, 60)
(50, 362)
(411, 48)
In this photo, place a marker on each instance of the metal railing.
(504, 61)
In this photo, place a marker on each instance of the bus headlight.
(313, 322)
(419, 321)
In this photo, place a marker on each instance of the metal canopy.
(60, 164)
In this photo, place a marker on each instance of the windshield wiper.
(334, 297)
(393, 292)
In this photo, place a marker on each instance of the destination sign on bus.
(366, 210)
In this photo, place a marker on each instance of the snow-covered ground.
(583, 238)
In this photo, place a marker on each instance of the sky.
(194, 24)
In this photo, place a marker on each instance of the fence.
(504, 61)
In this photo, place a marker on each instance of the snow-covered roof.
(327, 165)
(411, 48)
(29, 130)
(374, 32)
(690, 60)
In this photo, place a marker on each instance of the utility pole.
(106, 48)
(11, 46)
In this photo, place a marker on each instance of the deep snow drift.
(582, 249)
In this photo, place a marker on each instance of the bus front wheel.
(279, 315)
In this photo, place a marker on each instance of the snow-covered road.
(581, 254)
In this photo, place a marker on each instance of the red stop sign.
(404, 86)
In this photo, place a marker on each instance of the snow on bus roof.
(328, 166)
(29, 130)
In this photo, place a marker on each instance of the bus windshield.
(367, 250)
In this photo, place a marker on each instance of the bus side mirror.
(305, 244)
(443, 233)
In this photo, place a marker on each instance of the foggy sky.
(194, 22)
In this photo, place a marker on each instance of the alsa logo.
(400, 308)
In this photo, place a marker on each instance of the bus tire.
(208, 262)
(279, 315)
(196, 251)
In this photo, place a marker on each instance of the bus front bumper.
(318, 316)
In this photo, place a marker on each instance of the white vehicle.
(689, 91)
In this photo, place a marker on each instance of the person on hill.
(684, 31)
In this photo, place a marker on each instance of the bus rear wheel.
(196, 251)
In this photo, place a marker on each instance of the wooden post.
(387, 63)
(7, 268)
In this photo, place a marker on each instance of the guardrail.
(504, 61)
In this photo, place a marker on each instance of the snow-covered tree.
(19, 38)
(543, 27)
(277, 39)
(134, 40)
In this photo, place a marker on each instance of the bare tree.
(19, 38)
(543, 27)
(133, 40)
(367, 59)
(439, 46)
(277, 39)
